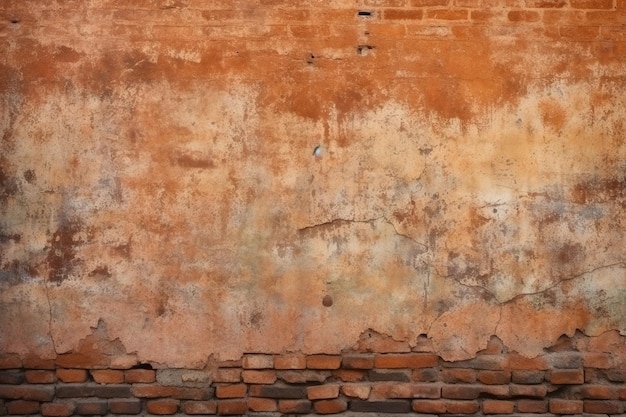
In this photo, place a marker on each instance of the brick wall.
(577, 375)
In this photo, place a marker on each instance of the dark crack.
(563, 280)
(544, 290)
(339, 221)
(54, 346)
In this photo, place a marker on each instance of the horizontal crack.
(369, 221)
(525, 294)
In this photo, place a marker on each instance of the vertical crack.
(54, 346)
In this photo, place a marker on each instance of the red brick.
(482, 362)
(546, 4)
(455, 375)
(23, 407)
(563, 17)
(403, 14)
(581, 33)
(429, 406)
(498, 407)
(72, 375)
(425, 375)
(357, 361)
(350, 375)
(258, 362)
(26, 392)
(386, 390)
(461, 407)
(494, 377)
(92, 407)
(57, 409)
(133, 376)
(199, 407)
(227, 375)
(565, 360)
(301, 377)
(361, 391)
(107, 376)
(320, 392)
(231, 391)
(528, 377)
(323, 362)
(616, 375)
(267, 376)
(163, 406)
(12, 377)
(262, 404)
(125, 406)
(182, 393)
(591, 4)
(40, 377)
(468, 3)
(567, 376)
(598, 392)
(290, 362)
(558, 406)
(447, 14)
(603, 407)
(429, 3)
(406, 360)
(515, 361)
(93, 390)
(277, 391)
(523, 16)
(532, 406)
(294, 406)
(538, 390)
(621, 393)
(330, 406)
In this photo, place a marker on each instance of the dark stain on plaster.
(101, 272)
(30, 176)
(66, 54)
(599, 190)
(61, 259)
(189, 160)
(15, 271)
(9, 186)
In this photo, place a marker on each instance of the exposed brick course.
(23, 407)
(133, 376)
(125, 406)
(323, 361)
(162, 406)
(57, 409)
(72, 375)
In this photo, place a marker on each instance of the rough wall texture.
(204, 179)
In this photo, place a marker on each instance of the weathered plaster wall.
(159, 183)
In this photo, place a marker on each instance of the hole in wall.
(364, 50)
(142, 366)
(365, 13)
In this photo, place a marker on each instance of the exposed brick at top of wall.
(343, 24)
